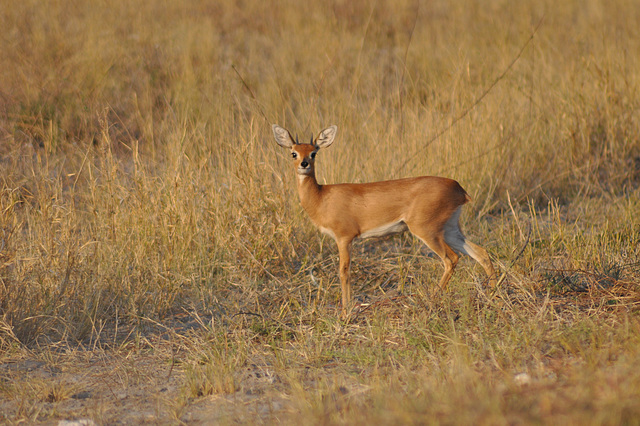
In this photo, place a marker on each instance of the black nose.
(304, 164)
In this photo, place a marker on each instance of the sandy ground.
(141, 381)
(108, 388)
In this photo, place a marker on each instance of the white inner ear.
(326, 137)
(282, 136)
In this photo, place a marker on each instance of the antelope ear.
(283, 137)
(326, 137)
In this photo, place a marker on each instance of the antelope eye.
(294, 155)
(313, 155)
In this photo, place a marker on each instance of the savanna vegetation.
(156, 265)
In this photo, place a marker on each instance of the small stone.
(79, 422)
(522, 379)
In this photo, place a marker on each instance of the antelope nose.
(304, 164)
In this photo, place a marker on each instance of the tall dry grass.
(139, 179)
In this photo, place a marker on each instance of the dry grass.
(147, 214)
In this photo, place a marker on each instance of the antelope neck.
(309, 191)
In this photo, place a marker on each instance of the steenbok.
(428, 206)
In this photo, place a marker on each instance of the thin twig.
(475, 103)
(404, 70)
(253, 96)
(246, 313)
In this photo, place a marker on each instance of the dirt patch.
(129, 385)
(105, 387)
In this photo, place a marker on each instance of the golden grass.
(141, 190)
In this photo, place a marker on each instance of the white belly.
(327, 231)
(386, 229)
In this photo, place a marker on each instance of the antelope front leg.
(344, 250)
